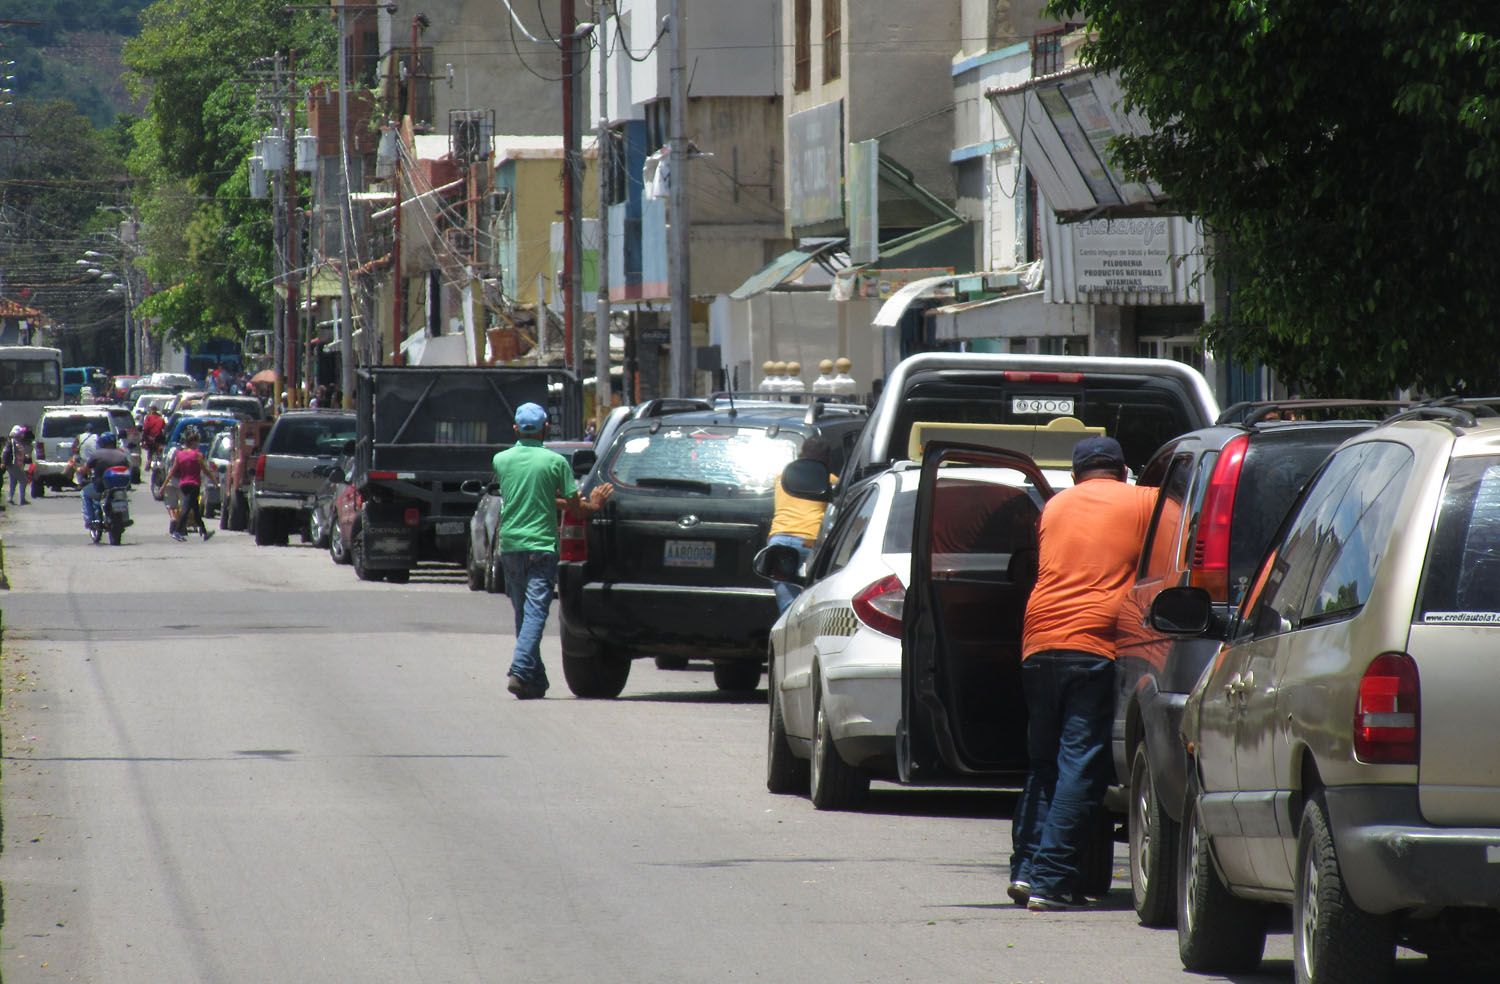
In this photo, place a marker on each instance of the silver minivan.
(1341, 743)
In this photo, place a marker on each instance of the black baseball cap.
(1097, 452)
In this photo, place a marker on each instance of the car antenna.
(733, 413)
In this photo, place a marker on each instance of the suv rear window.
(67, 425)
(311, 435)
(1141, 412)
(1462, 580)
(745, 459)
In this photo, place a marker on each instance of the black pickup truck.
(423, 431)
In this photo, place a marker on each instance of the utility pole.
(601, 302)
(570, 191)
(293, 234)
(677, 242)
(398, 326)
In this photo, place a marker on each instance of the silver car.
(1341, 742)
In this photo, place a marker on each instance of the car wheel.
(475, 576)
(836, 785)
(599, 677)
(317, 529)
(38, 488)
(239, 513)
(680, 663)
(494, 573)
(357, 551)
(337, 549)
(740, 676)
(785, 772)
(1332, 938)
(1153, 847)
(158, 487)
(1217, 932)
(266, 527)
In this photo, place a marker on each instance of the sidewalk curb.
(4, 581)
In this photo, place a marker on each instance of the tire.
(317, 530)
(239, 513)
(475, 577)
(398, 577)
(1217, 932)
(596, 678)
(115, 532)
(1153, 847)
(494, 574)
(270, 531)
(357, 554)
(336, 548)
(1334, 941)
(158, 491)
(677, 663)
(38, 488)
(740, 676)
(835, 784)
(785, 772)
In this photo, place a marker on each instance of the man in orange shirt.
(1089, 541)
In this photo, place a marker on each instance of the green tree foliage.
(205, 64)
(1347, 158)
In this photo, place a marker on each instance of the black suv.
(665, 568)
(1224, 491)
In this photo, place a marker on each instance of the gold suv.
(1341, 743)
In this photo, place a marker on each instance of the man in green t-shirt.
(534, 483)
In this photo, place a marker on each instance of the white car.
(835, 661)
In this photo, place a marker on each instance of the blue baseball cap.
(530, 418)
(1097, 452)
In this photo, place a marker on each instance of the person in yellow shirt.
(796, 521)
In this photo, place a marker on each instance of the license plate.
(1047, 406)
(450, 527)
(689, 553)
(119, 506)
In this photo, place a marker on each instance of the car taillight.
(879, 605)
(1388, 711)
(260, 468)
(572, 535)
(1210, 566)
(41, 449)
(413, 517)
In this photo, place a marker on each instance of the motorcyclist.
(106, 455)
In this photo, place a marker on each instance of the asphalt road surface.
(225, 763)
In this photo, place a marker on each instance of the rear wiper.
(686, 484)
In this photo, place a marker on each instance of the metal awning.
(889, 315)
(1062, 124)
(788, 266)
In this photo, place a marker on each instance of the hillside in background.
(71, 52)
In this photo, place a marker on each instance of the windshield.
(207, 427)
(741, 458)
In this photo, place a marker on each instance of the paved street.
(225, 763)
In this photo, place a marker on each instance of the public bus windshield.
(30, 377)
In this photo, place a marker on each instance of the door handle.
(1239, 684)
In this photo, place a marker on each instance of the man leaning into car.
(1089, 541)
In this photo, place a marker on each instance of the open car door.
(973, 564)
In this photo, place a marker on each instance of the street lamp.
(119, 288)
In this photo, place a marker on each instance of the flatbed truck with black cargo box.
(422, 432)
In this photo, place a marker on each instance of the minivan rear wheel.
(599, 677)
(1333, 940)
(740, 676)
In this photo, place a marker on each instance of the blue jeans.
(90, 504)
(1070, 707)
(787, 592)
(529, 575)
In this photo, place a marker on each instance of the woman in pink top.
(188, 467)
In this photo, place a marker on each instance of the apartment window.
(833, 25)
(1046, 53)
(802, 51)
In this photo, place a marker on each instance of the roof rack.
(1258, 411)
(818, 410)
(666, 405)
(768, 396)
(1455, 411)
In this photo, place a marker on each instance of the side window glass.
(853, 532)
(1160, 556)
(1356, 539)
(1151, 475)
(1462, 580)
(1275, 603)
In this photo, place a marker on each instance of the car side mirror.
(807, 479)
(583, 462)
(779, 562)
(472, 486)
(1184, 612)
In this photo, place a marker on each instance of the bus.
(30, 379)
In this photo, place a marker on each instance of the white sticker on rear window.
(1051, 406)
(1472, 618)
(636, 445)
